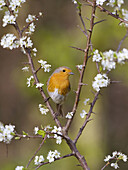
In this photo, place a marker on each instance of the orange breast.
(60, 82)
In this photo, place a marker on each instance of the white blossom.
(100, 2)
(43, 110)
(19, 168)
(47, 67)
(29, 43)
(48, 127)
(69, 115)
(22, 41)
(74, 1)
(1, 126)
(56, 154)
(114, 153)
(114, 165)
(111, 3)
(50, 156)
(29, 80)
(16, 3)
(122, 56)
(36, 130)
(122, 156)
(58, 139)
(30, 18)
(2, 3)
(107, 158)
(9, 41)
(82, 115)
(25, 42)
(40, 13)
(120, 2)
(125, 16)
(25, 69)
(32, 27)
(96, 56)
(80, 67)
(115, 156)
(6, 133)
(34, 50)
(101, 80)
(8, 19)
(39, 85)
(86, 101)
(108, 61)
(57, 130)
(38, 159)
(44, 65)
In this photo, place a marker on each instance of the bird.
(58, 87)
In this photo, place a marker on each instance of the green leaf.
(24, 133)
(17, 138)
(100, 68)
(42, 133)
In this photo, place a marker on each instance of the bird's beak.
(71, 73)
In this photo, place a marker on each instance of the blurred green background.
(55, 33)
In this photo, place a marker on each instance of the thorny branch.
(126, 35)
(37, 151)
(44, 163)
(116, 16)
(41, 89)
(87, 117)
(68, 124)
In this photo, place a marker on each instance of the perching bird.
(58, 86)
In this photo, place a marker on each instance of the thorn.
(117, 14)
(37, 70)
(93, 112)
(82, 31)
(113, 82)
(83, 50)
(78, 165)
(120, 22)
(89, 120)
(45, 100)
(99, 21)
(75, 91)
(83, 84)
(89, 30)
(89, 56)
(95, 16)
(87, 18)
(26, 63)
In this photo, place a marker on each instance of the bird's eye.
(64, 70)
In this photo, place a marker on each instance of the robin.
(58, 86)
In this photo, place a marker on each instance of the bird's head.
(64, 71)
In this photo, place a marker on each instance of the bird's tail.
(59, 110)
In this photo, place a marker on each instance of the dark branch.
(126, 35)
(78, 48)
(44, 163)
(37, 151)
(100, 21)
(87, 117)
(68, 124)
(116, 16)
